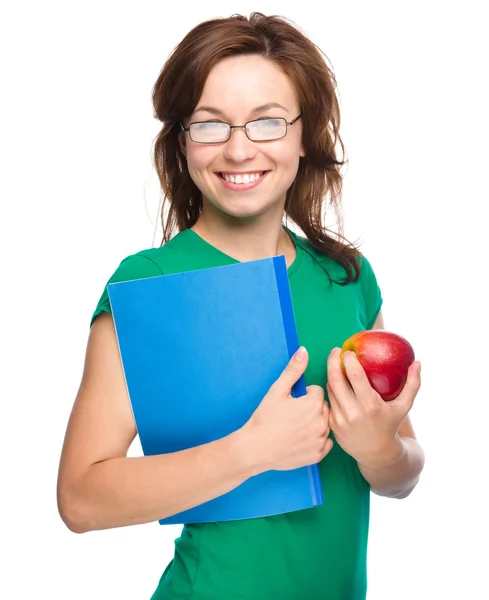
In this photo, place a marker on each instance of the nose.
(239, 148)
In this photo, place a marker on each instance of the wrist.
(390, 454)
(245, 451)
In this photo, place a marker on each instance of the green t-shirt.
(313, 554)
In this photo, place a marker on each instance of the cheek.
(286, 153)
(198, 160)
(286, 159)
(199, 157)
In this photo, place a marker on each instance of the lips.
(241, 177)
(241, 181)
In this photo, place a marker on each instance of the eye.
(207, 124)
(267, 123)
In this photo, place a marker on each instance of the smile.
(242, 181)
(242, 178)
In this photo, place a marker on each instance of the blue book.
(200, 349)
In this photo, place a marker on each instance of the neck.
(245, 241)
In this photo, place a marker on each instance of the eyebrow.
(258, 109)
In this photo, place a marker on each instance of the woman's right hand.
(286, 432)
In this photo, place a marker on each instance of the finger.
(357, 377)
(338, 382)
(410, 389)
(316, 393)
(328, 446)
(292, 372)
(335, 408)
(326, 414)
(326, 405)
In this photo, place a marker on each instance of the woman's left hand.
(364, 424)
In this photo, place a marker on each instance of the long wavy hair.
(318, 184)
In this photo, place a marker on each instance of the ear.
(302, 151)
(183, 143)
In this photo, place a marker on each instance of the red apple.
(385, 358)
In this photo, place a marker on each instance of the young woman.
(250, 134)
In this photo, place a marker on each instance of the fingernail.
(300, 354)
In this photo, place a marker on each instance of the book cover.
(199, 350)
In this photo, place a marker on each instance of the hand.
(364, 424)
(286, 432)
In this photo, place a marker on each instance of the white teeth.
(246, 178)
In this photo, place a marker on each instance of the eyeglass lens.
(261, 130)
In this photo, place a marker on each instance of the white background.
(78, 193)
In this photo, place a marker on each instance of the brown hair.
(179, 87)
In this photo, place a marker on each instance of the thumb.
(295, 368)
(411, 387)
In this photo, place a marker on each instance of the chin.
(244, 214)
(246, 209)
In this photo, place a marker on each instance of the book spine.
(288, 317)
(290, 330)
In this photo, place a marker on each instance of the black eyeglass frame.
(231, 127)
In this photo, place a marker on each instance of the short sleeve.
(136, 266)
(372, 295)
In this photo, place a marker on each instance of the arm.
(99, 487)
(378, 435)
(397, 472)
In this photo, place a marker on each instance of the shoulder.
(364, 291)
(367, 279)
(334, 267)
(366, 269)
(141, 264)
(150, 262)
(370, 291)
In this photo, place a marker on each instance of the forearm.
(134, 490)
(397, 472)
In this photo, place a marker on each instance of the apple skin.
(385, 358)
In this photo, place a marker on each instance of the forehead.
(241, 83)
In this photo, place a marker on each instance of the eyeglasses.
(217, 132)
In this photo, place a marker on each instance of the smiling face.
(243, 178)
